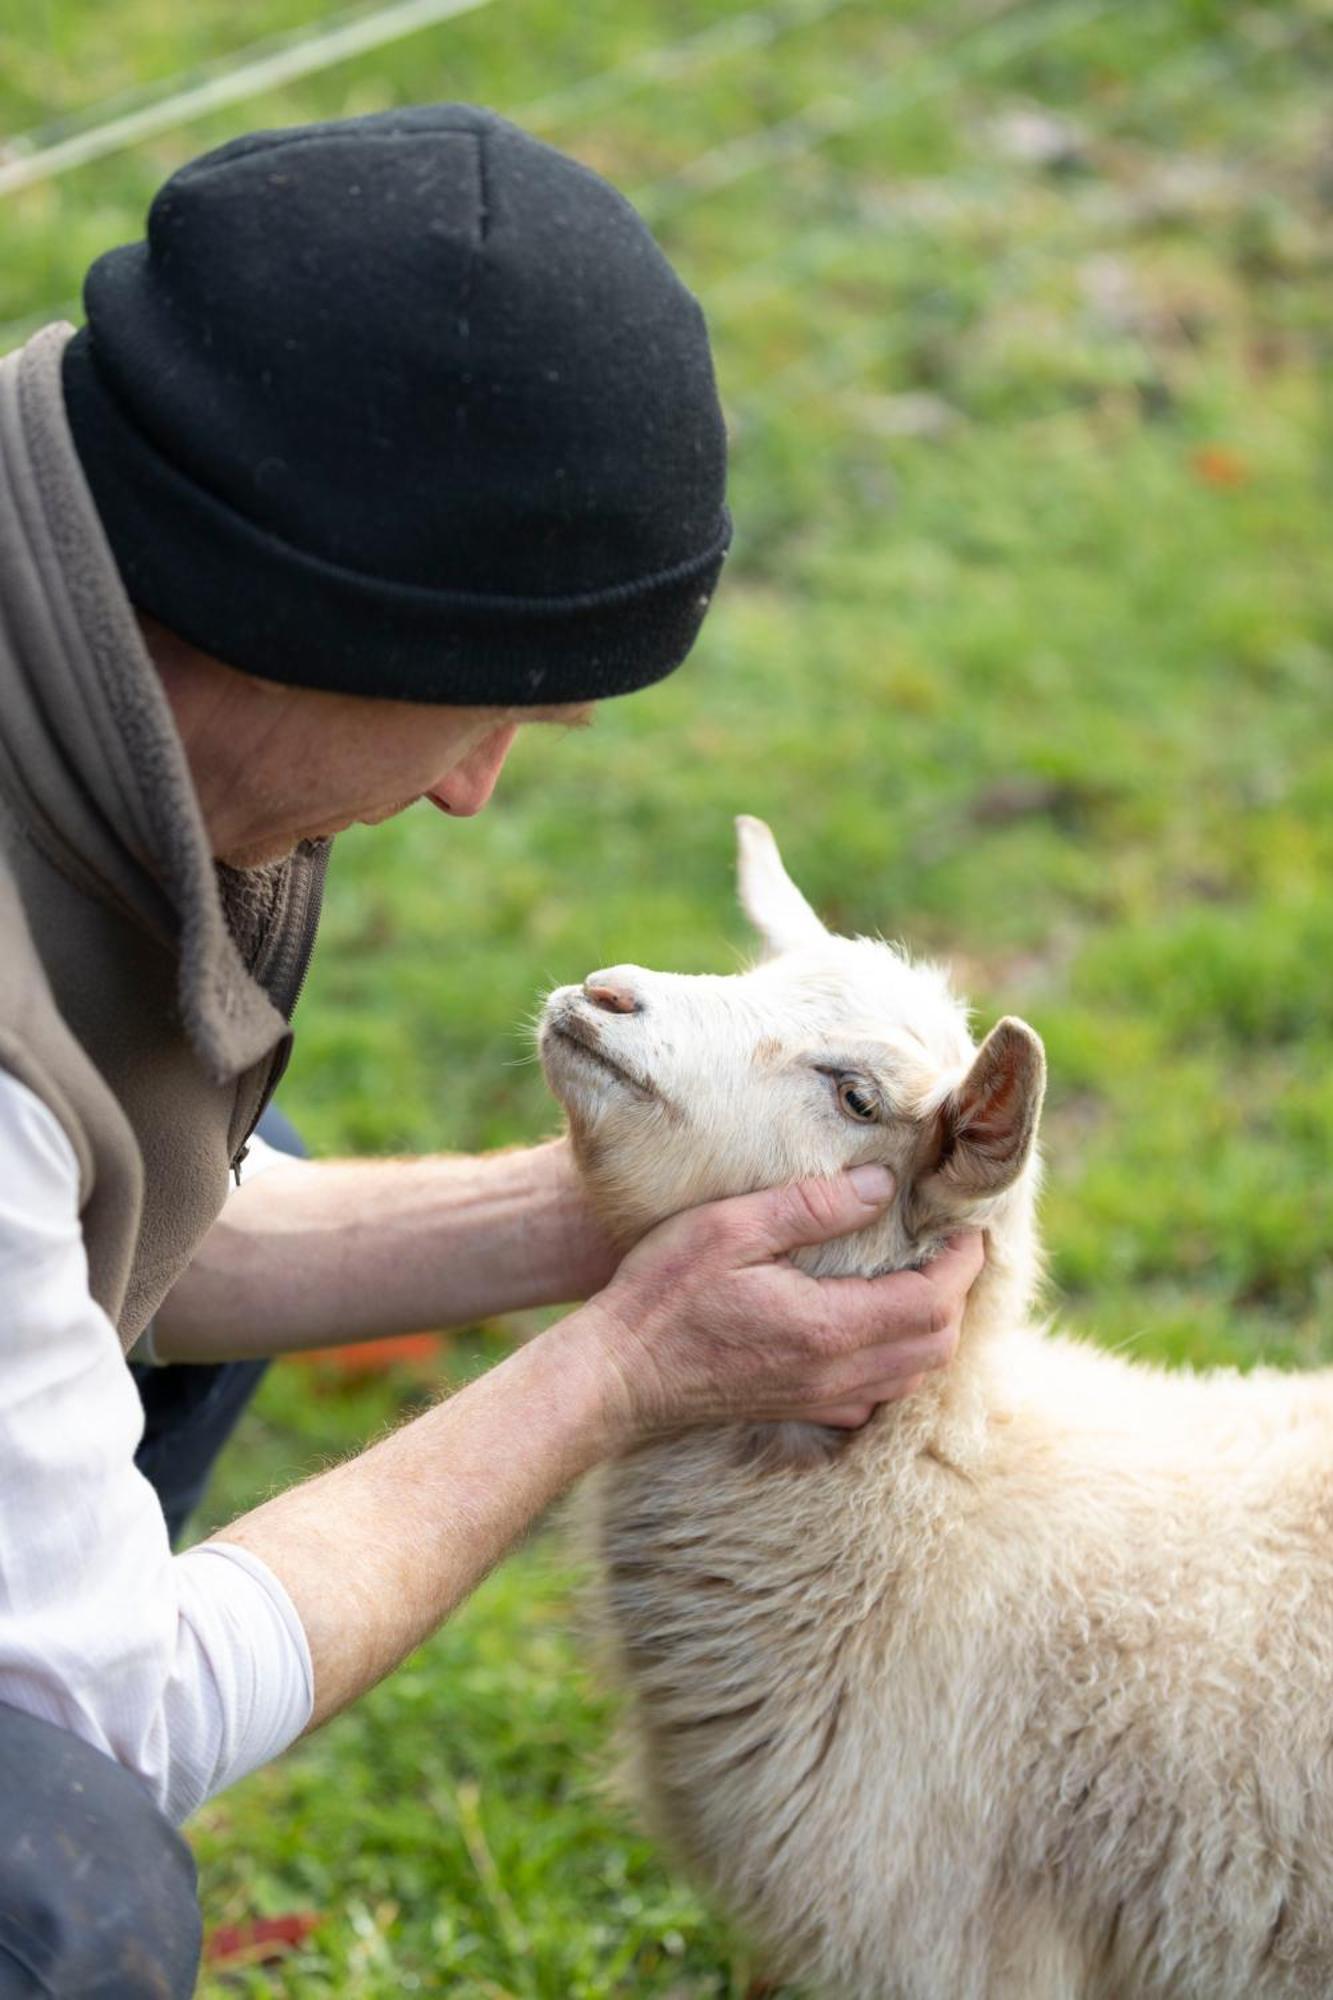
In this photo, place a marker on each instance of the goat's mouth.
(581, 1038)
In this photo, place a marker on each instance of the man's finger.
(904, 1305)
(856, 1411)
(896, 1359)
(778, 1220)
(959, 1263)
(840, 1416)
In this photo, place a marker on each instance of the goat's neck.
(1002, 1296)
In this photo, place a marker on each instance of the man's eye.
(856, 1101)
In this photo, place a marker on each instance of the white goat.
(1025, 1691)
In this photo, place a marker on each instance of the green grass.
(1025, 650)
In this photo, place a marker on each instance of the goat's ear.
(987, 1125)
(771, 900)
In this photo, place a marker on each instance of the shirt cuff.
(246, 1636)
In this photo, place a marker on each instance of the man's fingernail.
(873, 1184)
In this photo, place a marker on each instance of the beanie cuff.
(270, 609)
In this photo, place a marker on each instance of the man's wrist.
(566, 1255)
(585, 1348)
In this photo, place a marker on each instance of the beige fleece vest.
(143, 991)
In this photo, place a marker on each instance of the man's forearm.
(321, 1252)
(376, 1553)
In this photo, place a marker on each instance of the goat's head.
(827, 1053)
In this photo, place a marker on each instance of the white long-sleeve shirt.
(188, 1669)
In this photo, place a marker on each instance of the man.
(394, 436)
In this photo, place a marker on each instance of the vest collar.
(89, 746)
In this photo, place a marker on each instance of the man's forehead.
(572, 714)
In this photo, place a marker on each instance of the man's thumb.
(811, 1211)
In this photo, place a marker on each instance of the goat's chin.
(618, 1206)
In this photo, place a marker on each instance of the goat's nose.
(613, 992)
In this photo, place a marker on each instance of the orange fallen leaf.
(261, 1940)
(375, 1357)
(1218, 465)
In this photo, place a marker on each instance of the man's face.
(355, 762)
(274, 765)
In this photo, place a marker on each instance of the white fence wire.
(120, 122)
(268, 68)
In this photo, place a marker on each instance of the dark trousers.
(97, 1890)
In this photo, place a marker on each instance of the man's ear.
(769, 897)
(986, 1127)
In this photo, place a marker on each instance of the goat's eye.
(856, 1101)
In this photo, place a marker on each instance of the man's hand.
(707, 1320)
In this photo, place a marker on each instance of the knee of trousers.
(97, 1889)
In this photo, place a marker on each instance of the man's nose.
(614, 991)
(469, 785)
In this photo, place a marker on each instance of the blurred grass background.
(1021, 313)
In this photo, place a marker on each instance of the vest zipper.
(286, 987)
(286, 990)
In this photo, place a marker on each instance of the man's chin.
(279, 846)
(260, 855)
(385, 812)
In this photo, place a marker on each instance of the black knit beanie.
(407, 406)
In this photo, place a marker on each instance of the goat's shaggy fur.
(1025, 1691)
